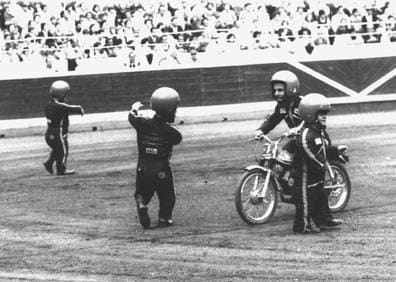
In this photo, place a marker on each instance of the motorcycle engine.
(285, 157)
(284, 165)
(283, 173)
(283, 170)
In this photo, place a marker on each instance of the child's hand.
(258, 135)
(136, 106)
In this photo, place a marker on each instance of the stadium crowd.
(66, 35)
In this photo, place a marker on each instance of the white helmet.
(289, 79)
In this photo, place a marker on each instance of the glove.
(292, 131)
(136, 106)
(342, 148)
(258, 134)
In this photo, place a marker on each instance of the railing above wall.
(27, 70)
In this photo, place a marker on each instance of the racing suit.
(287, 110)
(313, 147)
(57, 114)
(155, 140)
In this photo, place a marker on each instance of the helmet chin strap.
(319, 125)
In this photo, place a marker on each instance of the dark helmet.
(311, 104)
(59, 89)
(290, 80)
(164, 101)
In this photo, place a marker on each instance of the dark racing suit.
(57, 114)
(312, 150)
(155, 139)
(287, 110)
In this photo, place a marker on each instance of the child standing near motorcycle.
(313, 148)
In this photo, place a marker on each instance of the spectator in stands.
(34, 26)
(310, 22)
(81, 19)
(95, 11)
(227, 17)
(148, 53)
(340, 18)
(298, 19)
(101, 48)
(370, 26)
(194, 57)
(304, 43)
(129, 34)
(52, 61)
(118, 37)
(67, 26)
(263, 18)
(13, 32)
(343, 36)
(163, 16)
(72, 55)
(198, 9)
(322, 36)
(88, 22)
(325, 22)
(284, 32)
(128, 18)
(231, 46)
(268, 40)
(356, 20)
(133, 59)
(194, 26)
(174, 28)
(168, 53)
(210, 11)
(391, 28)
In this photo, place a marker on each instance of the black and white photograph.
(197, 140)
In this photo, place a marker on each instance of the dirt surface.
(84, 227)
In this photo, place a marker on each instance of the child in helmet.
(312, 150)
(284, 87)
(57, 113)
(155, 139)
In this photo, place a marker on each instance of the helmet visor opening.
(323, 112)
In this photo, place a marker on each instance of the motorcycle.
(272, 179)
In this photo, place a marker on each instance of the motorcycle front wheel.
(341, 194)
(251, 207)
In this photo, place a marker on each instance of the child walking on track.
(155, 140)
(57, 114)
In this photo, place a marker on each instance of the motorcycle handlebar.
(260, 138)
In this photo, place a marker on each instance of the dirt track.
(84, 227)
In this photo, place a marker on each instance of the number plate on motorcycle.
(267, 149)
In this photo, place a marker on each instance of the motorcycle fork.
(264, 189)
(331, 173)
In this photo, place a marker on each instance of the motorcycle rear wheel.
(252, 209)
(339, 197)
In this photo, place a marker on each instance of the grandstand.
(46, 38)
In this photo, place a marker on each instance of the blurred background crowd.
(54, 36)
